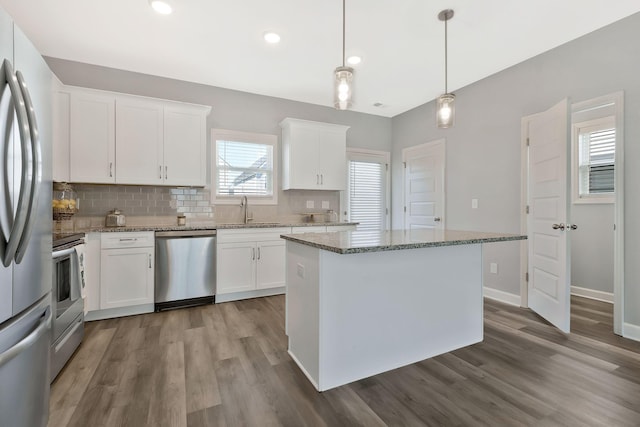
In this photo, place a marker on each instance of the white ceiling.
(220, 43)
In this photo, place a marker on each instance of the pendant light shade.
(343, 88)
(445, 105)
(343, 76)
(445, 110)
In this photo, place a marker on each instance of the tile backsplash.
(195, 203)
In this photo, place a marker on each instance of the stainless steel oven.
(67, 303)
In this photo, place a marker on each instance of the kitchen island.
(361, 303)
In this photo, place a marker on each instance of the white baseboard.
(592, 294)
(631, 331)
(502, 296)
(250, 294)
(118, 312)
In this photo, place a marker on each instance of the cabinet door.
(126, 277)
(270, 268)
(92, 138)
(61, 110)
(236, 267)
(303, 160)
(92, 257)
(332, 157)
(185, 146)
(139, 139)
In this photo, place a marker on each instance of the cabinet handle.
(149, 260)
(253, 254)
(129, 239)
(110, 169)
(160, 171)
(165, 172)
(321, 179)
(258, 253)
(317, 179)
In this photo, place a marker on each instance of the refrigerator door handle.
(27, 341)
(36, 172)
(20, 219)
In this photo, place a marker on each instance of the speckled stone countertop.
(353, 242)
(211, 226)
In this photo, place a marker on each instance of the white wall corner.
(631, 332)
(501, 296)
(592, 294)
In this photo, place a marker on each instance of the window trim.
(368, 155)
(591, 198)
(251, 137)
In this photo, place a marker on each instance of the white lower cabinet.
(126, 270)
(250, 260)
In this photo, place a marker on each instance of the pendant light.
(445, 107)
(343, 76)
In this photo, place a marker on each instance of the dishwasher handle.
(186, 233)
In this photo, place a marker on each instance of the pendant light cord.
(343, 30)
(445, 55)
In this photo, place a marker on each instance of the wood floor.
(227, 365)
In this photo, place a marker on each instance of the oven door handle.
(62, 253)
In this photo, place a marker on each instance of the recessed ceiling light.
(163, 7)
(354, 60)
(271, 37)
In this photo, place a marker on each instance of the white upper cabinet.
(61, 105)
(139, 139)
(92, 141)
(314, 155)
(185, 149)
(124, 139)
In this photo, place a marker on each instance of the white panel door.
(92, 138)
(548, 243)
(424, 196)
(139, 135)
(184, 146)
(236, 271)
(270, 269)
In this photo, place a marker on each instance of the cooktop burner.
(61, 239)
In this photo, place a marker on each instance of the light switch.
(474, 203)
(310, 204)
(493, 268)
(325, 204)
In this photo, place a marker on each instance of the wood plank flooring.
(227, 365)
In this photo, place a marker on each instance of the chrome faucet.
(244, 202)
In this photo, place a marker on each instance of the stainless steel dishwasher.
(185, 268)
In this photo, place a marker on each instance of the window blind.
(597, 166)
(366, 195)
(244, 168)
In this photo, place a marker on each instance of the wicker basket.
(62, 214)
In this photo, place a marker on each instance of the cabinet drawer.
(126, 240)
(251, 234)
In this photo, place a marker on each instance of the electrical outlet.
(310, 204)
(300, 271)
(493, 268)
(325, 204)
(474, 203)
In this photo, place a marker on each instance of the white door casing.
(548, 220)
(424, 186)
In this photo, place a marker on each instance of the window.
(594, 149)
(367, 189)
(243, 164)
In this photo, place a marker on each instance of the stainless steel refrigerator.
(25, 229)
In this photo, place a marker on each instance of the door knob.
(436, 219)
(558, 226)
(572, 226)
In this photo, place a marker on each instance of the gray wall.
(483, 149)
(592, 247)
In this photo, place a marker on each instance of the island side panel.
(383, 310)
(302, 305)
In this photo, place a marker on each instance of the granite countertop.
(211, 226)
(353, 242)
